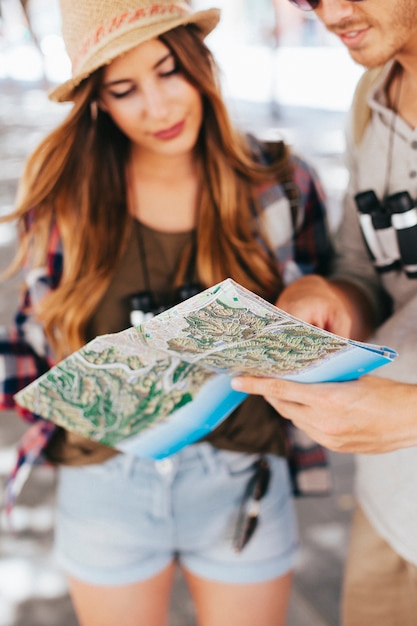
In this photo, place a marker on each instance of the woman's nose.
(155, 102)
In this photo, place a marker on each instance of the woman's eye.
(121, 94)
(170, 72)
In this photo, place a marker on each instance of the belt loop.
(128, 463)
(208, 457)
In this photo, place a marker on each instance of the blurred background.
(283, 76)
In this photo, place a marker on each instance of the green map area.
(119, 385)
(237, 340)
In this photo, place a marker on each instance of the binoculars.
(389, 229)
(143, 306)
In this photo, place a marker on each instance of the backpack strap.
(361, 112)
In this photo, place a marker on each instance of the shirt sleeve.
(24, 352)
(351, 262)
(20, 363)
(313, 249)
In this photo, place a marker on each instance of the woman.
(146, 191)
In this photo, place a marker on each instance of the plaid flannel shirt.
(300, 239)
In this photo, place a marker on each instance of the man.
(378, 413)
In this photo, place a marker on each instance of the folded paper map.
(156, 387)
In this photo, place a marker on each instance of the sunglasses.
(250, 506)
(311, 5)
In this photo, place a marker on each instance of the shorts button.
(164, 466)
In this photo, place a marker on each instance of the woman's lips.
(170, 133)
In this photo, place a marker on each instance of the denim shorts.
(125, 520)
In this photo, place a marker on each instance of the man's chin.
(366, 60)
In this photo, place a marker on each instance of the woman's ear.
(101, 104)
(95, 107)
(93, 110)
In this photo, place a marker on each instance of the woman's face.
(151, 102)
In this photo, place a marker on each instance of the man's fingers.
(276, 389)
(273, 387)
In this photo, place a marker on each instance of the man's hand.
(368, 415)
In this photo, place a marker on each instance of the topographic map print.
(119, 385)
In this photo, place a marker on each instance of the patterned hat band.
(122, 23)
(95, 33)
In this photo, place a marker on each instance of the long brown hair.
(76, 180)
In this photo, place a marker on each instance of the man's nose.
(332, 12)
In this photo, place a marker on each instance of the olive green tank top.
(252, 427)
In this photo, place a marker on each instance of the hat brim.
(119, 44)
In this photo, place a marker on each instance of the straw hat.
(97, 31)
